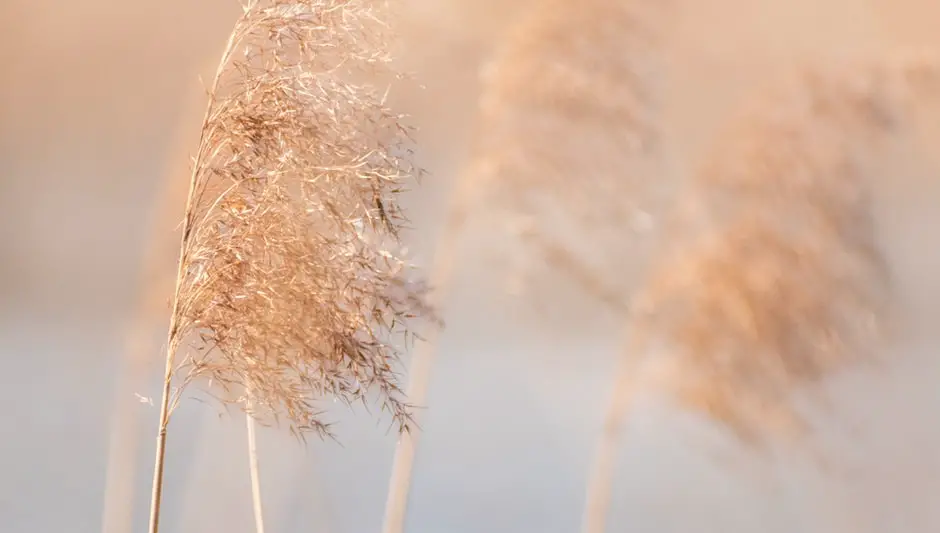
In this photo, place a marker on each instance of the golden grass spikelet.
(774, 279)
(567, 114)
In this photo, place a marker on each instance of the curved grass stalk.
(600, 479)
(441, 276)
(155, 287)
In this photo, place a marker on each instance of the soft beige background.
(92, 96)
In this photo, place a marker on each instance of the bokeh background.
(99, 104)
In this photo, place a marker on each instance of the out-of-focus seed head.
(567, 138)
(772, 278)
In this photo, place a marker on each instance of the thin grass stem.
(156, 497)
(441, 277)
(601, 476)
(254, 472)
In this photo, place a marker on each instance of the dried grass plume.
(290, 285)
(774, 278)
(568, 132)
(290, 282)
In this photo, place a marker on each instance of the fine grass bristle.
(773, 278)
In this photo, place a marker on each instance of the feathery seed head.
(291, 287)
(567, 127)
(773, 279)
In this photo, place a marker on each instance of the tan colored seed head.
(291, 287)
(773, 278)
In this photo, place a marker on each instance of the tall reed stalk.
(601, 476)
(565, 115)
(419, 372)
(289, 286)
(254, 470)
(156, 284)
